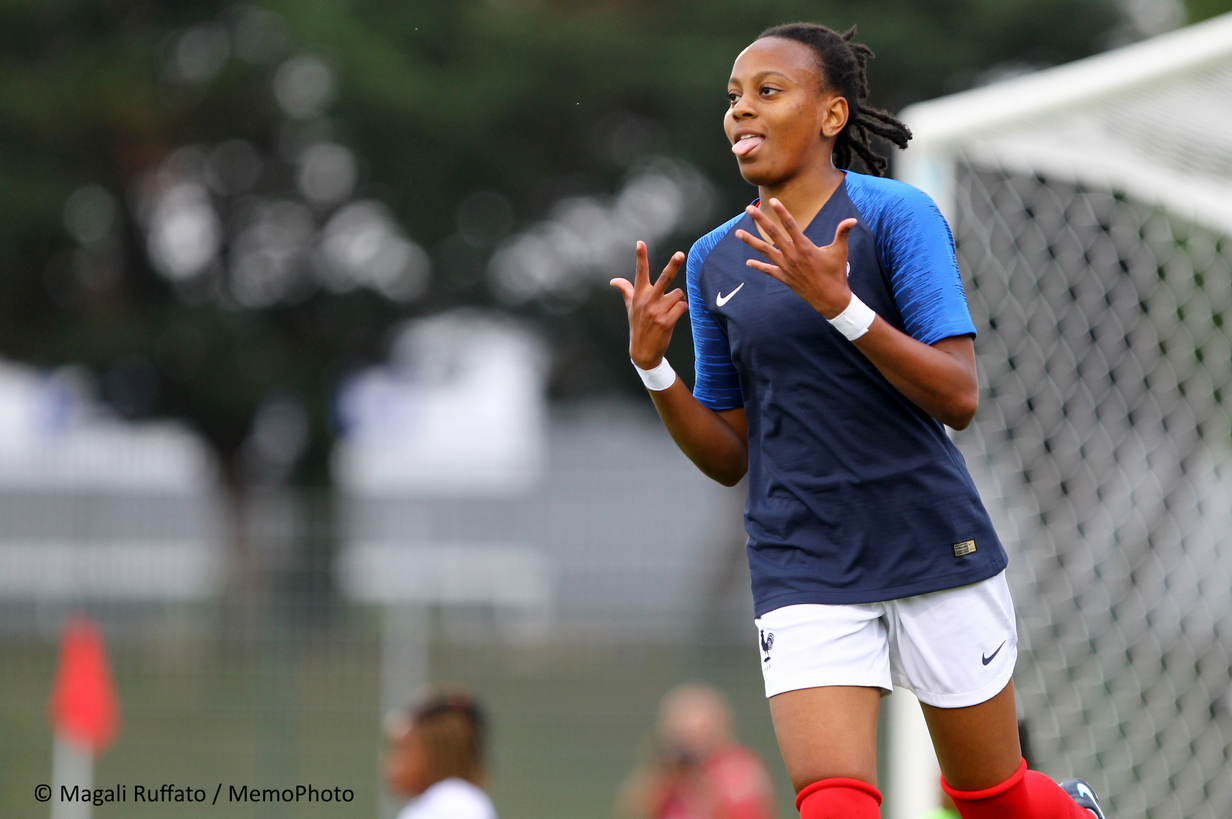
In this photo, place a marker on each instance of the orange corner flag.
(84, 710)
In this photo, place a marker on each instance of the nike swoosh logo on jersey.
(721, 300)
(987, 660)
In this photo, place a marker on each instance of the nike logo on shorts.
(721, 300)
(987, 660)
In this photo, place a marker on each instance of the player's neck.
(804, 194)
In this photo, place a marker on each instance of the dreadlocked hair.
(842, 64)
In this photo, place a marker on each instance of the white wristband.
(855, 320)
(658, 379)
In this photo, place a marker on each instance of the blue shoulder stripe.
(716, 384)
(916, 250)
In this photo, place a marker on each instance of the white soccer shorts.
(951, 648)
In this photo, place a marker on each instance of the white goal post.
(1092, 211)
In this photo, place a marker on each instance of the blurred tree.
(219, 208)
(1197, 10)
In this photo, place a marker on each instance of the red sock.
(1025, 795)
(839, 799)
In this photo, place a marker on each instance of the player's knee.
(839, 798)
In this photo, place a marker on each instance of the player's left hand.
(816, 274)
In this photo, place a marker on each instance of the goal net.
(1092, 211)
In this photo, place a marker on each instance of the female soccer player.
(828, 357)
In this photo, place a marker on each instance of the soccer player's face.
(779, 120)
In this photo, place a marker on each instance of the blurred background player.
(698, 770)
(435, 758)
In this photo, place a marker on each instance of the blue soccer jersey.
(856, 495)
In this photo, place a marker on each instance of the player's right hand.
(653, 312)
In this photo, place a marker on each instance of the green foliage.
(1203, 9)
(439, 99)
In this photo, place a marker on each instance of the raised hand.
(653, 312)
(816, 274)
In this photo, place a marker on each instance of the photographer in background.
(698, 770)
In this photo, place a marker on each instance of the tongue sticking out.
(744, 146)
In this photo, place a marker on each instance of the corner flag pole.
(84, 716)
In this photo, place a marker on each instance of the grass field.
(199, 710)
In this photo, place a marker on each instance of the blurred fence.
(570, 605)
(1102, 449)
(620, 539)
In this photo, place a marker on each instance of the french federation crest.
(767, 643)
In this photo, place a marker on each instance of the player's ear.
(834, 113)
